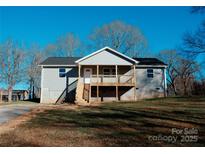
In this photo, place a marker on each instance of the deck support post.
(117, 98)
(97, 83)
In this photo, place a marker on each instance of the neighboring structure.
(17, 95)
(105, 75)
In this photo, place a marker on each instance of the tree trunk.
(185, 87)
(33, 92)
(174, 89)
(10, 90)
(30, 91)
(1, 93)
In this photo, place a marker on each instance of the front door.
(87, 74)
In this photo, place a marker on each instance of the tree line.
(19, 63)
(185, 72)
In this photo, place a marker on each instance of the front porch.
(105, 71)
(107, 83)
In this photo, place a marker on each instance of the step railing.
(66, 91)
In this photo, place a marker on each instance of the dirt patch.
(14, 123)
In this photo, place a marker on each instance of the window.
(113, 71)
(106, 71)
(150, 73)
(62, 72)
(109, 71)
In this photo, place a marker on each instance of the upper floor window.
(150, 73)
(62, 72)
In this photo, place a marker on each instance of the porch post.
(97, 83)
(117, 82)
(116, 73)
(79, 68)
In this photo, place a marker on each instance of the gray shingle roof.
(71, 61)
(149, 61)
(60, 61)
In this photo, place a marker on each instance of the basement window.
(150, 73)
(62, 72)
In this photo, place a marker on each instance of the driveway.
(8, 112)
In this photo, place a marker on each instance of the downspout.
(165, 83)
(41, 99)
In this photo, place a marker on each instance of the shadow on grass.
(179, 99)
(118, 126)
(112, 124)
(35, 100)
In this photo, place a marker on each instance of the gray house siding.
(145, 87)
(150, 87)
(104, 58)
(52, 85)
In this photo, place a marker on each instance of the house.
(104, 75)
(17, 95)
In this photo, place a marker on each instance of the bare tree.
(50, 50)
(68, 44)
(194, 43)
(198, 9)
(186, 74)
(1, 69)
(35, 57)
(172, 59)
(181, 71)
(120, 36)
(11, 65)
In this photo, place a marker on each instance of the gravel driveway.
(8, 112)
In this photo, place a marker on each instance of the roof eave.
(96, 52)
(57, 65)
(164, 66)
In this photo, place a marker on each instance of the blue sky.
(162, 26)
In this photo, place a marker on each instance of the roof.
(110, 50)
(149, 61)
(66, 61)
(60, 61)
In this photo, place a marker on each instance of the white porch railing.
(128, 79)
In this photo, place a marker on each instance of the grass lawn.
(115, 124)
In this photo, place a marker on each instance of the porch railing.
(126, 79)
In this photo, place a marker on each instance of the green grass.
(113, 124)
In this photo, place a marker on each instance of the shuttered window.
(150, 73)
(62, 72)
